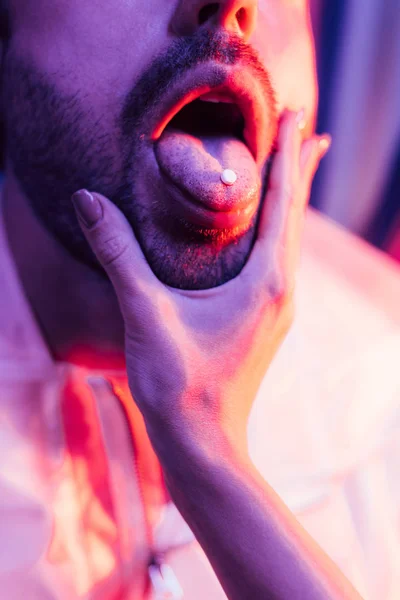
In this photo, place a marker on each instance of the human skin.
(72, 48)
(79, 66)
(195, 360)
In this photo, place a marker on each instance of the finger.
(280, 199)
(284, 172)
(282, 181)
(112, 240)
(312, 152)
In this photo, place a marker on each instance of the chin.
(185, 256)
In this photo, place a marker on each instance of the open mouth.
(223, 111)
(210, 117)
(204, 131)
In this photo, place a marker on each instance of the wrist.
(183, 445)
(198, 468)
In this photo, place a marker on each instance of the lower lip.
(196, 213)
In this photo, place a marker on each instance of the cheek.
(96, 47)
(284, 41)
(295, 80)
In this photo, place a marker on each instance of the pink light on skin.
(97, 359)
(259, 120)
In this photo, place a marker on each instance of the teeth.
(213, 101)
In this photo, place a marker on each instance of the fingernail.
(325, 143)
(300, 119)
(88, 207)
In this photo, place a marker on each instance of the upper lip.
(240, 85)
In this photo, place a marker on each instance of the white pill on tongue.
(228, 177)
(195, 165)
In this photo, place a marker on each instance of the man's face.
(147, 102)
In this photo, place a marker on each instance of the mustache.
(182, 56)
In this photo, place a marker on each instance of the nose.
(235, 16)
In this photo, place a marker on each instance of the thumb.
(114, 243)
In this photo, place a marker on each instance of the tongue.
(195, 165)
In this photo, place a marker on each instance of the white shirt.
(324, 432)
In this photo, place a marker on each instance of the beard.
(56, 146)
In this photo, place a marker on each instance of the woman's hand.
(195, 359)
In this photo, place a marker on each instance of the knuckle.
(280, 291)
(112, 249)
(276, 287)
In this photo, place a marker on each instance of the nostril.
(241, 17)
(207, 12)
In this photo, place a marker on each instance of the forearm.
(254, 543)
